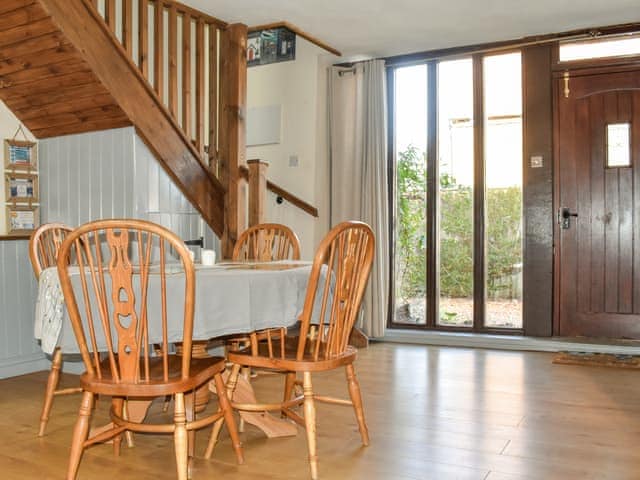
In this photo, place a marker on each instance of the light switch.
(293, 160)
(536, 161)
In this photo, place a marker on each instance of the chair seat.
(287, 360)
(202, 370)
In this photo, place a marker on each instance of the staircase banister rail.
(194, 13)
(161, 106)
(181, 160)
(282, 192)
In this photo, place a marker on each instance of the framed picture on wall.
(22, 220)
(20, 155)
(21, 187)
(270, 46)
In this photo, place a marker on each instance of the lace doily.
(49, 310)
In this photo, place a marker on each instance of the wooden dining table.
(231, 298)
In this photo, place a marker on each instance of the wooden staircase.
(177, 75)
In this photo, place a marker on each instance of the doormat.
(597, 359)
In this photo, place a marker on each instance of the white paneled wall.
(19, 352)
(88, 176)
(108, 174)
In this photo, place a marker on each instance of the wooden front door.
(598, 196)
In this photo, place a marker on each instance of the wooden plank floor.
(433, 413)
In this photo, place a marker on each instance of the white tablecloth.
(228, 300)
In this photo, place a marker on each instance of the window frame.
(432, 214)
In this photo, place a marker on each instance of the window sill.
(506, 342)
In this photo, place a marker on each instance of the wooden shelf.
(7, 238)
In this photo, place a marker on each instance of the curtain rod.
(348, 70)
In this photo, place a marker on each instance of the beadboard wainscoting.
(19, 351)
(107, 174)
(111, 174)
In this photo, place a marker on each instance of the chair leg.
(180, 437)
(246, 373)
(227, 410)
(128, 435)
(232, 381)
(80, 432)
(289, 384)
(190, 406)
(310, 424)
(52, 385)
(117, 403)
(356, 398)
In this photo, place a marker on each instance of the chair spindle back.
(44, 245)
(111, 286)
(344, 258)
(267, 242)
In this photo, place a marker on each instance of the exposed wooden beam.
(511, 44)
(232, 143)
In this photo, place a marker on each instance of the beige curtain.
(359, 183)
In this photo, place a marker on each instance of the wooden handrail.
(297, 31)
(203, 101)
(210, 193)
(196, 14)
(161, 105)
(281, 192)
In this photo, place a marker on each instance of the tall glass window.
(503, 190)
(410, 137)
(455, 164)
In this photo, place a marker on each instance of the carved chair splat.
(108, 302)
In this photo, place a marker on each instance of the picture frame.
(22, 220)
(270, 46)
(21, 187)
(20, 155)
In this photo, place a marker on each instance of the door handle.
(564, 217)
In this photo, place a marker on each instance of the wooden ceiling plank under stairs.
(64, 71)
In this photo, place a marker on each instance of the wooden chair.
(338, 280)
(121, 264)
(267, 242)
(44, 246)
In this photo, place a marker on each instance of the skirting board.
(501, 342)
(12, 367)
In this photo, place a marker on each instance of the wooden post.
(214, 84)
(257, 190)
(232, 144)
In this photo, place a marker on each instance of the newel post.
(233, 103)
(257, 190)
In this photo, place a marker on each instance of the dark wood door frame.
(574, 69)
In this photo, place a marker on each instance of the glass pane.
(618, 145)
(411, 190)
(455, 151)
(611, 47)
(503, 183)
